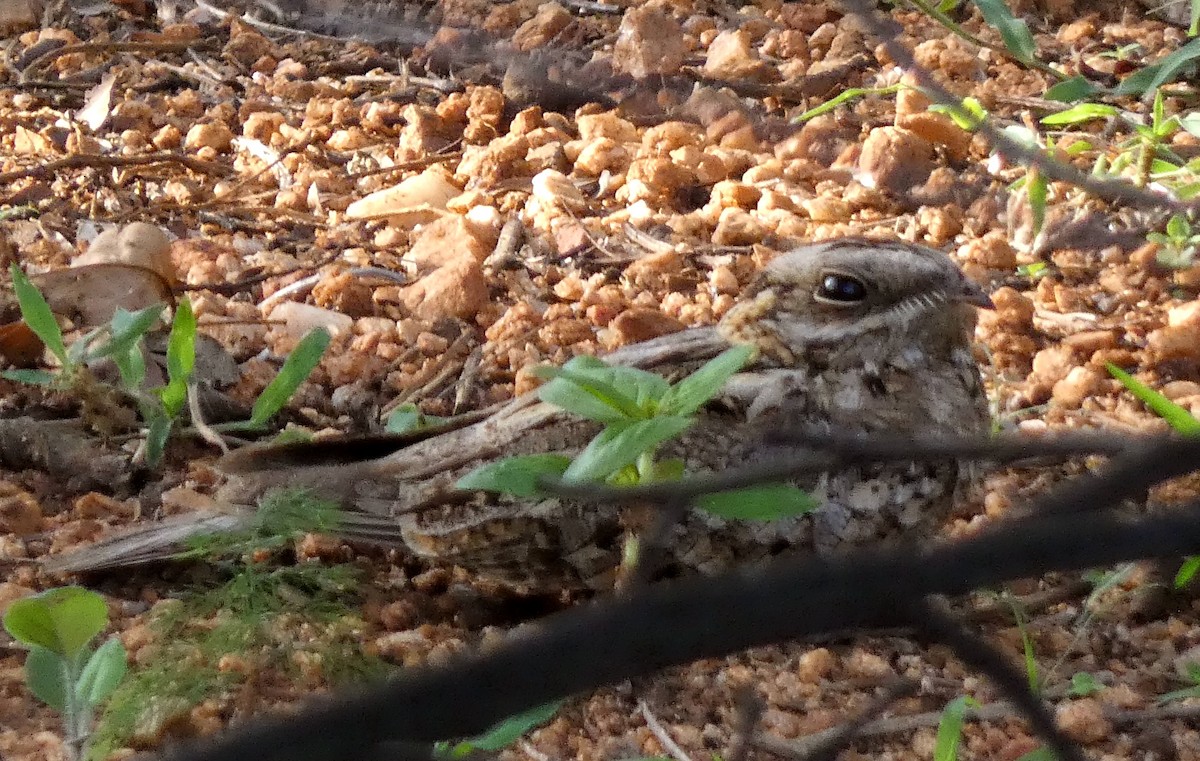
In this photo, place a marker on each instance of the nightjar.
(853, 336)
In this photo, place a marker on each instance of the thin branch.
(82, 160)
(827, 744)
(671, 624)
(661, 734)
(888, 33)
(832, 452)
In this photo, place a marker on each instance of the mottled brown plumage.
(854, 336)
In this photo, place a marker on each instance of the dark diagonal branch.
(672, 624)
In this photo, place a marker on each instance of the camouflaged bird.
(853, 336)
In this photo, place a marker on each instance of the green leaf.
(1190, 123)
(46, 676)
(1033, 270)
(1084, 112)
(1187, 571)
(1012, 30)
(585, 387)
(102, 673)
(37, 315)
(1039, 754)
(1157, 74)
(296, 368)
(132, 367)
(1031, 667)
(1071, 90)
(694, 391)
(1194, 26)
(1037, 190)
(949, 731)
(621, 443)
(759, 503)
(1178, 227)
(62, 620)
(126, 329)
(1084, 684)
(32, 377)
(508, 731)
(519, 476)
(77, 352)
(967, 114)
(157, 434)
(1184, 694)
(408, 417)
(181, 359)
(640, 385)
(292, 435)
(668, 470)
(1177, 417)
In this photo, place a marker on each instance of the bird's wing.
(380, 479)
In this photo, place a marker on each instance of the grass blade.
(181, 359)
(37, 314)
(1012, 30)
(843, 97)
(296, 368)
(1150, 78)
(949, 731)
(1177, 417)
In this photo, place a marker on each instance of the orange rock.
(20, 512)
(649, 41)
(642, 324)
(895, 159)
(448, 238)
(456, 289)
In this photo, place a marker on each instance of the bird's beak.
(971, 293)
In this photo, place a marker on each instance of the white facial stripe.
(903, 312)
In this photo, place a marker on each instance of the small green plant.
(60, 669)
(291, 622)
(1179, 419)
(968, 114)
(950, 727)
(1034, 184)
(640, 411)
(1014, 32)
(1084, 684)
(1031, 666)
(1019, 44)
(1123, 52)
(500, 736)
(1178, 242)
(408, 418)
(1034, 270)
(121, 341)
(1192, 675)
(117, 339)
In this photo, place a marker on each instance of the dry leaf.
(89, 295)
(95, 109)
(19, 346)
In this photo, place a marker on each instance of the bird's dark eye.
(841, 288)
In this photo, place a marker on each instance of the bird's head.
(829, 295)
